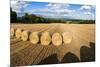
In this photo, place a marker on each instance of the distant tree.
(25, 18)
(13, 16)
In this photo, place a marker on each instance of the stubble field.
(80, 45)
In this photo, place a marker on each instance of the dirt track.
(26, 53)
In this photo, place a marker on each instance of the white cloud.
(59, 8)
(57, 5)
(63, 11)
(88, 13)
(50, 4)
(91, 15)
(55, 9)
(18, 6)
(85, 7)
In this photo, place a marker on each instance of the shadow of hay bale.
(69, 58)
(52, 59)
(87, 54)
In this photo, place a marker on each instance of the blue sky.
(54, 10)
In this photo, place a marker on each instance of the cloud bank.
(56, 10)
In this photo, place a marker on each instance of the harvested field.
(74, 43)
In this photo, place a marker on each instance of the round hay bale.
(12, 32)
(57, 39)
(25, 35)
(45, 38)
(34, 37)
(67, 37)
(18, 33)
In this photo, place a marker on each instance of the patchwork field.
(67, 43)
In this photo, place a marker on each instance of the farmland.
(79, 36)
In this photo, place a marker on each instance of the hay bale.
(12, 32)
(67, 37)
(18, 33)
(45, 38)
(34, 37)
(57, 39)
(25, 35)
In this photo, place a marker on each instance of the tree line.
(32, 18)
